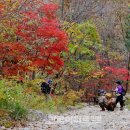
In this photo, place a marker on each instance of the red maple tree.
(13, 57)
(41, 33)
(39, 44)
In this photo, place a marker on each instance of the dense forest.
(81, 45)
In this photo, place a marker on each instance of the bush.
(18, 111)
(17, 98)
(9, 103)
(128, 103)
(71, 97)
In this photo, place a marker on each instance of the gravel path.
(87, 118)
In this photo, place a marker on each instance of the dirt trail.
(87, 118)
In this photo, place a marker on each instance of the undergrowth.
(16, 99)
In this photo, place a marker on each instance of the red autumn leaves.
(40, 42)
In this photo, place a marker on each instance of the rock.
(26, 128)
(35, 115)
(2, 128)
(71, 108)
(128, 125)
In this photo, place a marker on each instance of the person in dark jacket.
(46, 89)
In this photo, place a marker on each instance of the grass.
(128, 103)
(16, 99)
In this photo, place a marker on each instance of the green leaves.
(72, 48)
(84, 43)
(84, 38)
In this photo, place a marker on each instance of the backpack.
(45, 88)
(124, 91)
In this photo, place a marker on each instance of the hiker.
(45, 88)
(102, 99)
(101, 92)
(106, 101)
(120, 92)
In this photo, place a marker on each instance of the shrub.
(8, 102)
(17, 111)
(71, 97)
(17, 98)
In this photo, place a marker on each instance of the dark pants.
(102, 105)
(120, 100)
(109, 107)
(47, 97)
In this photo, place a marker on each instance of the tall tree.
(41, 34)
(33, 41)
(127, 40)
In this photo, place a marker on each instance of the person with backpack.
(120, 93)
(46, 89)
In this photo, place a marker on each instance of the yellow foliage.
(71, 97)
(32, 68)
(2, 96)
(9, 20)
(3, 113)
(38, 81)
(98, 74)
(28, 90)
(33, 85)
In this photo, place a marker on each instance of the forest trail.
(87, 118)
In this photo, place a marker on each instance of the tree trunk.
(128, 67)
(62, 8)
(33, 75)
